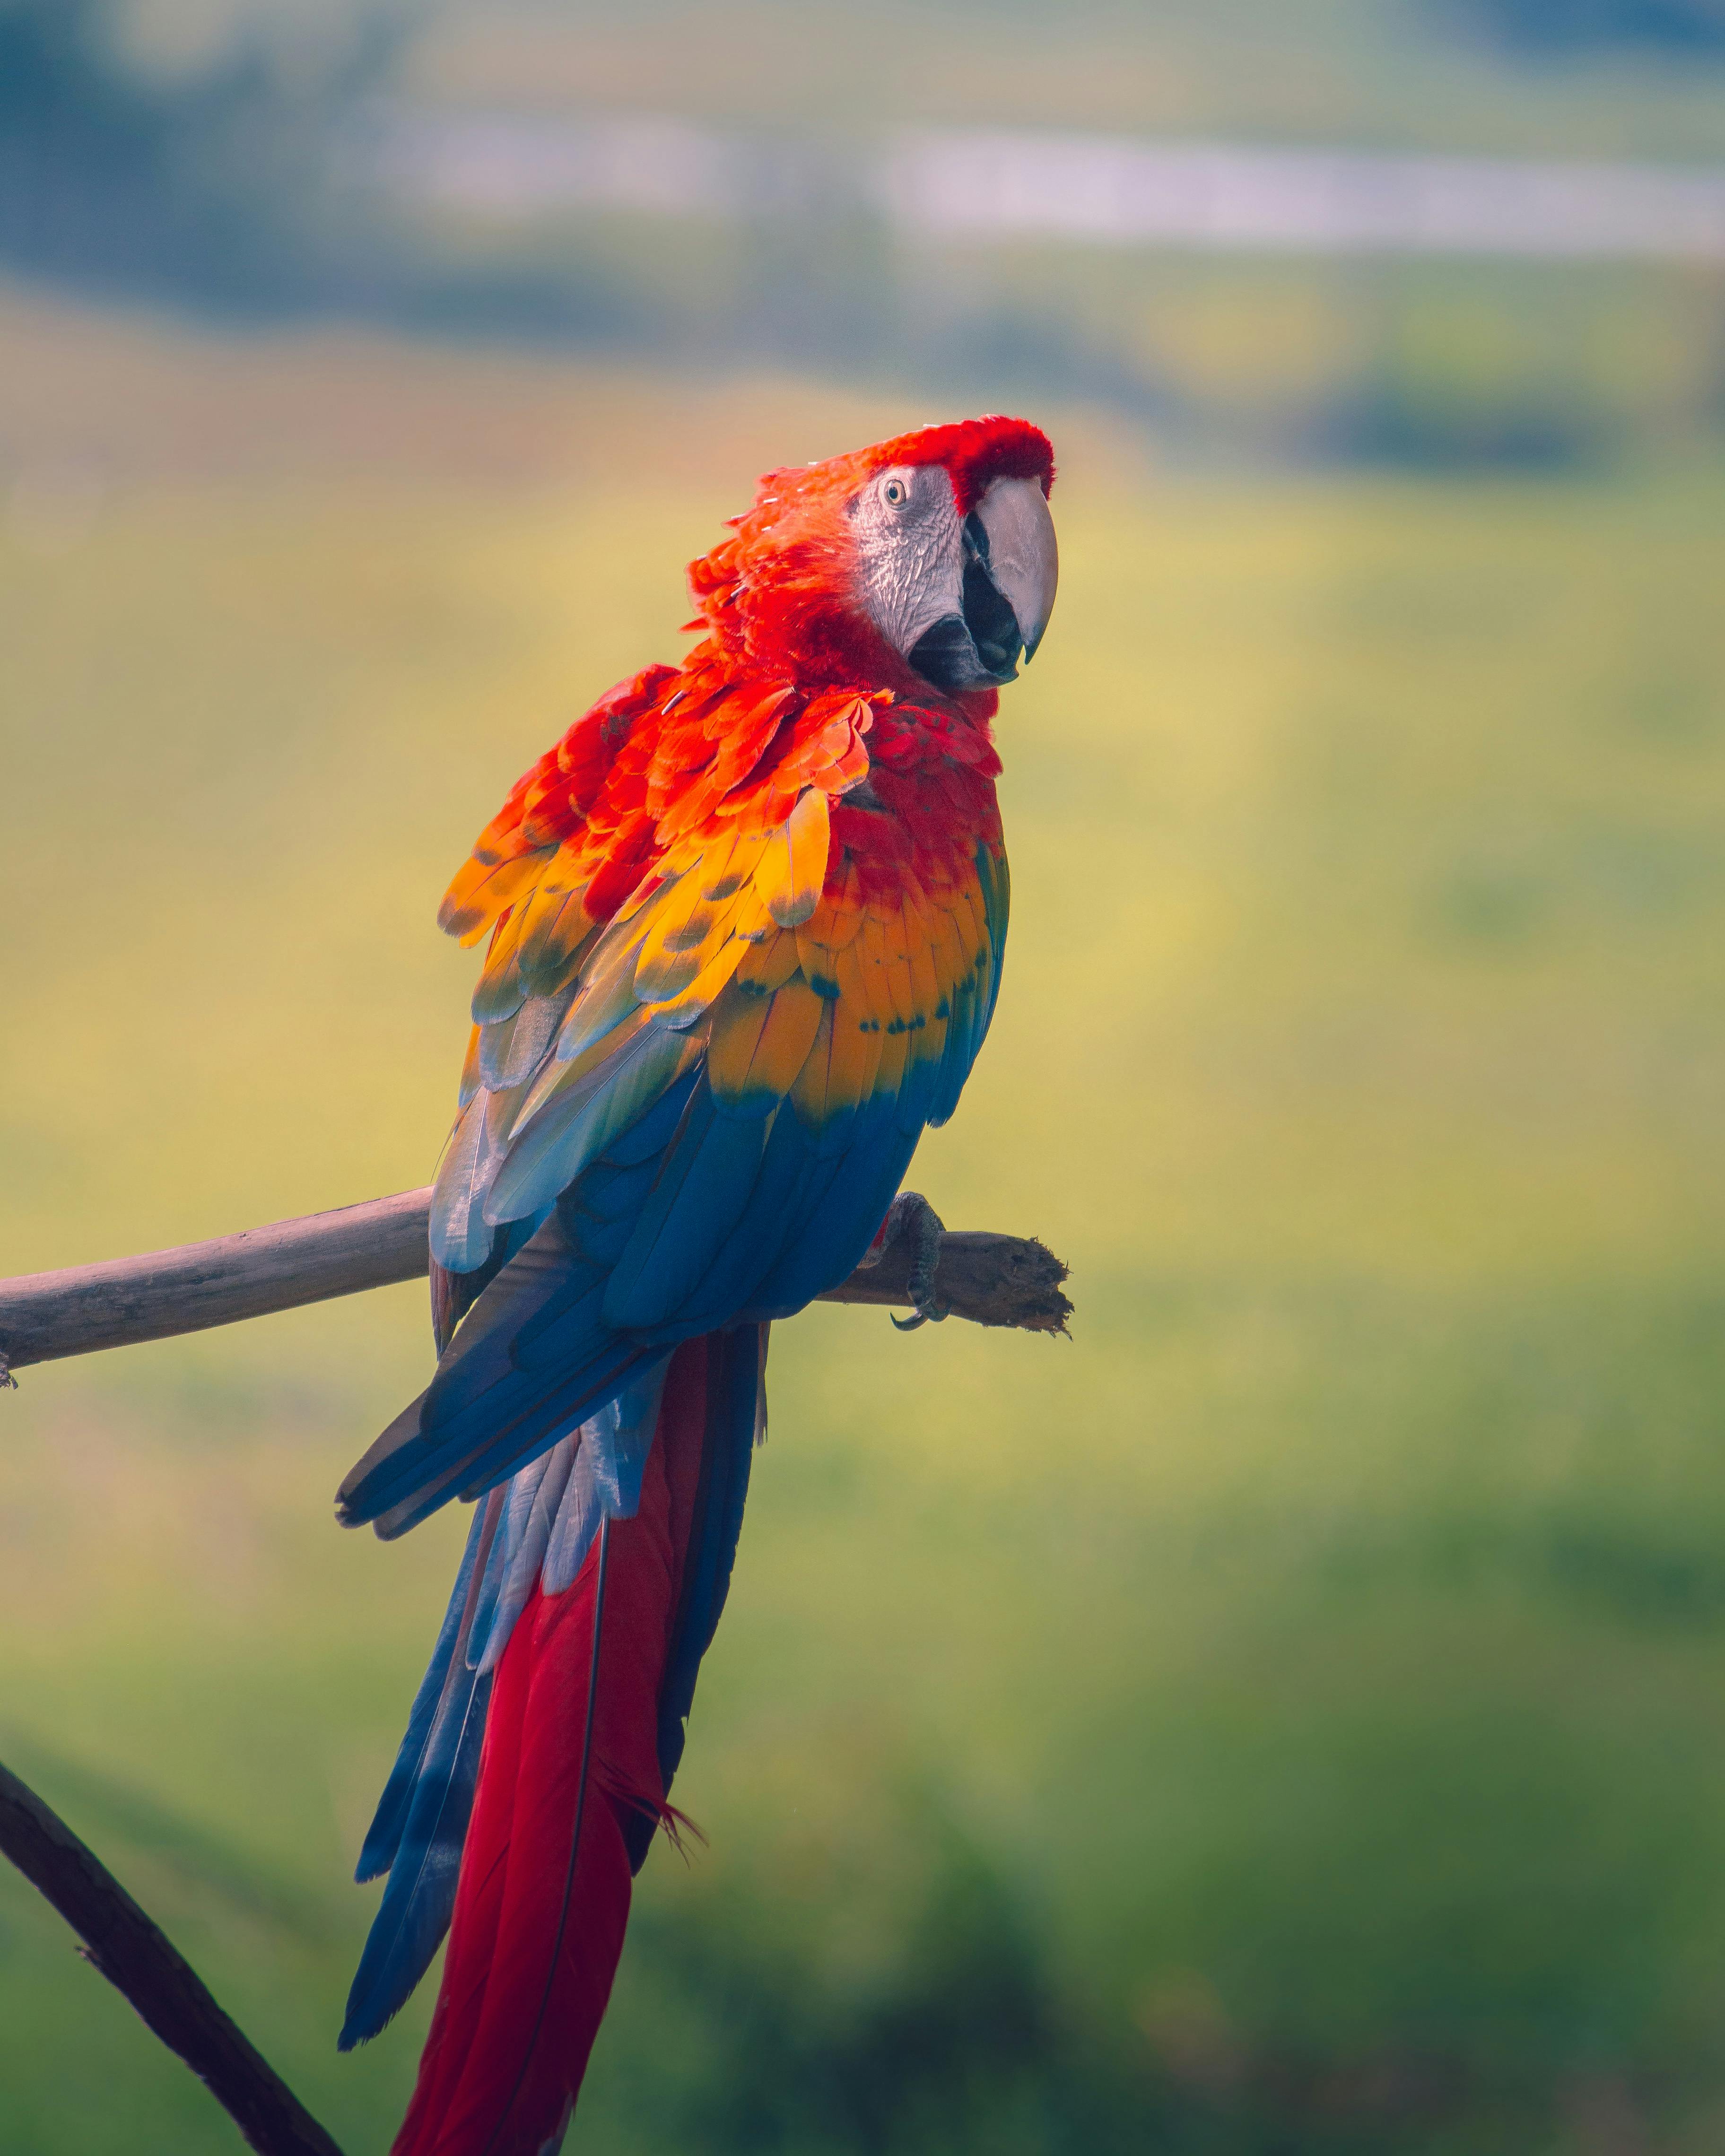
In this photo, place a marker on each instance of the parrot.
(745, 924)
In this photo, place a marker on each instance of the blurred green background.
(1287, 1718)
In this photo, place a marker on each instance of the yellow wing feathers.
(831, 1009)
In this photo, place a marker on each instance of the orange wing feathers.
(784, 880)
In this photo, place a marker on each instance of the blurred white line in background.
(1224, 196)
(1107, 189)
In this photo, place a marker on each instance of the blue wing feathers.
(839, 1214)
(777, 1199)
(687, 1220)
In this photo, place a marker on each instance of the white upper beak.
(1023, 556)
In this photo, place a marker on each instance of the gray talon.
(912, 1213)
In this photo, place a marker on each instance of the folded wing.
(689, 1100)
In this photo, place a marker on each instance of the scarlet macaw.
(747, 920)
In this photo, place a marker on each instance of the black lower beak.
(978, 648)
(947, 656)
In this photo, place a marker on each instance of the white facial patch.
(911, 538)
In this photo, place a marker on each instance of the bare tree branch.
(993, 1280)
(990, 1278)
(141, 1962)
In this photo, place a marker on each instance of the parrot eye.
(895, 493)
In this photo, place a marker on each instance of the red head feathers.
(924, 561)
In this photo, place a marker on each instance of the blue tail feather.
(422, 1819)
(383, 1837)
(539, 1527)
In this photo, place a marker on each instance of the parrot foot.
(910, 1214)
(7, 1382)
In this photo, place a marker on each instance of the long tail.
(583, 1731)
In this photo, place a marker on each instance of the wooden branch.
(44, 1316)
(141, 1962)
(992, 1280)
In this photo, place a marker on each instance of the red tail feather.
(510, 2034)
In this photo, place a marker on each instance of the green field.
(1288, 1718)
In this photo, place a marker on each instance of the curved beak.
(1023, 557)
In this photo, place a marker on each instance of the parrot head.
(927, 562)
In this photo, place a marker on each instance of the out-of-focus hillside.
(1403, 73)
(1575, 78)
(1281, 1719)
(756, 186)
